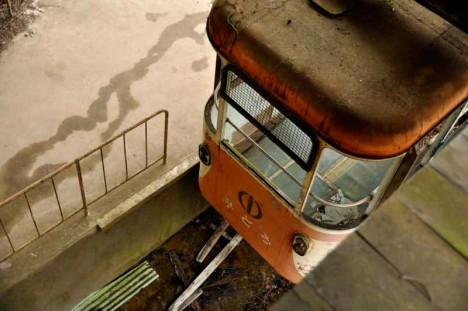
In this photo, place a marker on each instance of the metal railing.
(51, 179)
(265, 153)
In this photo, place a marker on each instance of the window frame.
(305, 165)
(259, 173)
(376, 197)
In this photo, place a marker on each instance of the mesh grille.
(257, 107)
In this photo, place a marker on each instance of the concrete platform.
(82, 73)
(410, 255)
(83, 254)
(86, 70)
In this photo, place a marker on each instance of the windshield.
(282, 154)
(344, 187)
(269, 142)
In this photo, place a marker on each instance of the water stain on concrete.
(14, 174)
(56, 73)
(200, 64)
(153, 17)
(57, 76)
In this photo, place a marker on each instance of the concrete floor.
(89, 69)
(83, 72)
(409, 255)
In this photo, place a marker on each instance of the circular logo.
(250, 205)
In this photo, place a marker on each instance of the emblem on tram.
(250, 205)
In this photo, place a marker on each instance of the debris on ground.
(244, 281)
(13, 26)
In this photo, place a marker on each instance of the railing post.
(80, 180)
(103, 170)
(7, 235)
(125, 156)
(57, 198)
(32, 215)
(146, 143)
(166, 126)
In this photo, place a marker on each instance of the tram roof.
(371, 82)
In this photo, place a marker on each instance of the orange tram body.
(320, 113)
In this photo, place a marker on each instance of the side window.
(343, 187)
(273, 123)
(265, 139)
(263, 156)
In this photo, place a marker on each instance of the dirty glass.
(278, 127)
(343, 187)
(263, 155)
(270, 143)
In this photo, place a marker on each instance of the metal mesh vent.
(270, 118)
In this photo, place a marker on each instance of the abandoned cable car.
(321, 109)
(319, 113)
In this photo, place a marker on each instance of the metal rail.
(265, 153)
(341, 205)
(23, 194)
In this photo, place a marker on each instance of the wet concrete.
(88, 71)
(92, 69)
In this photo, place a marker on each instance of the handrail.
(341, 205)
(265, 153)
(49, 178)
(65, 166)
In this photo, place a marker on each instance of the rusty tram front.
(319, 114)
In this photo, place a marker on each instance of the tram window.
(274, 124)
(343, 187)
(263, 155)
(264, 138)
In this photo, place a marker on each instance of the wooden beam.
(10, 8)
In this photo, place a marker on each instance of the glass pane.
(343, 181)
(263, 155)
(247, 99)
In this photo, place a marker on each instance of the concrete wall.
(100, 256)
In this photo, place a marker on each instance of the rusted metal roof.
(371, 82)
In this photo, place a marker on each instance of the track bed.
(244, 281)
